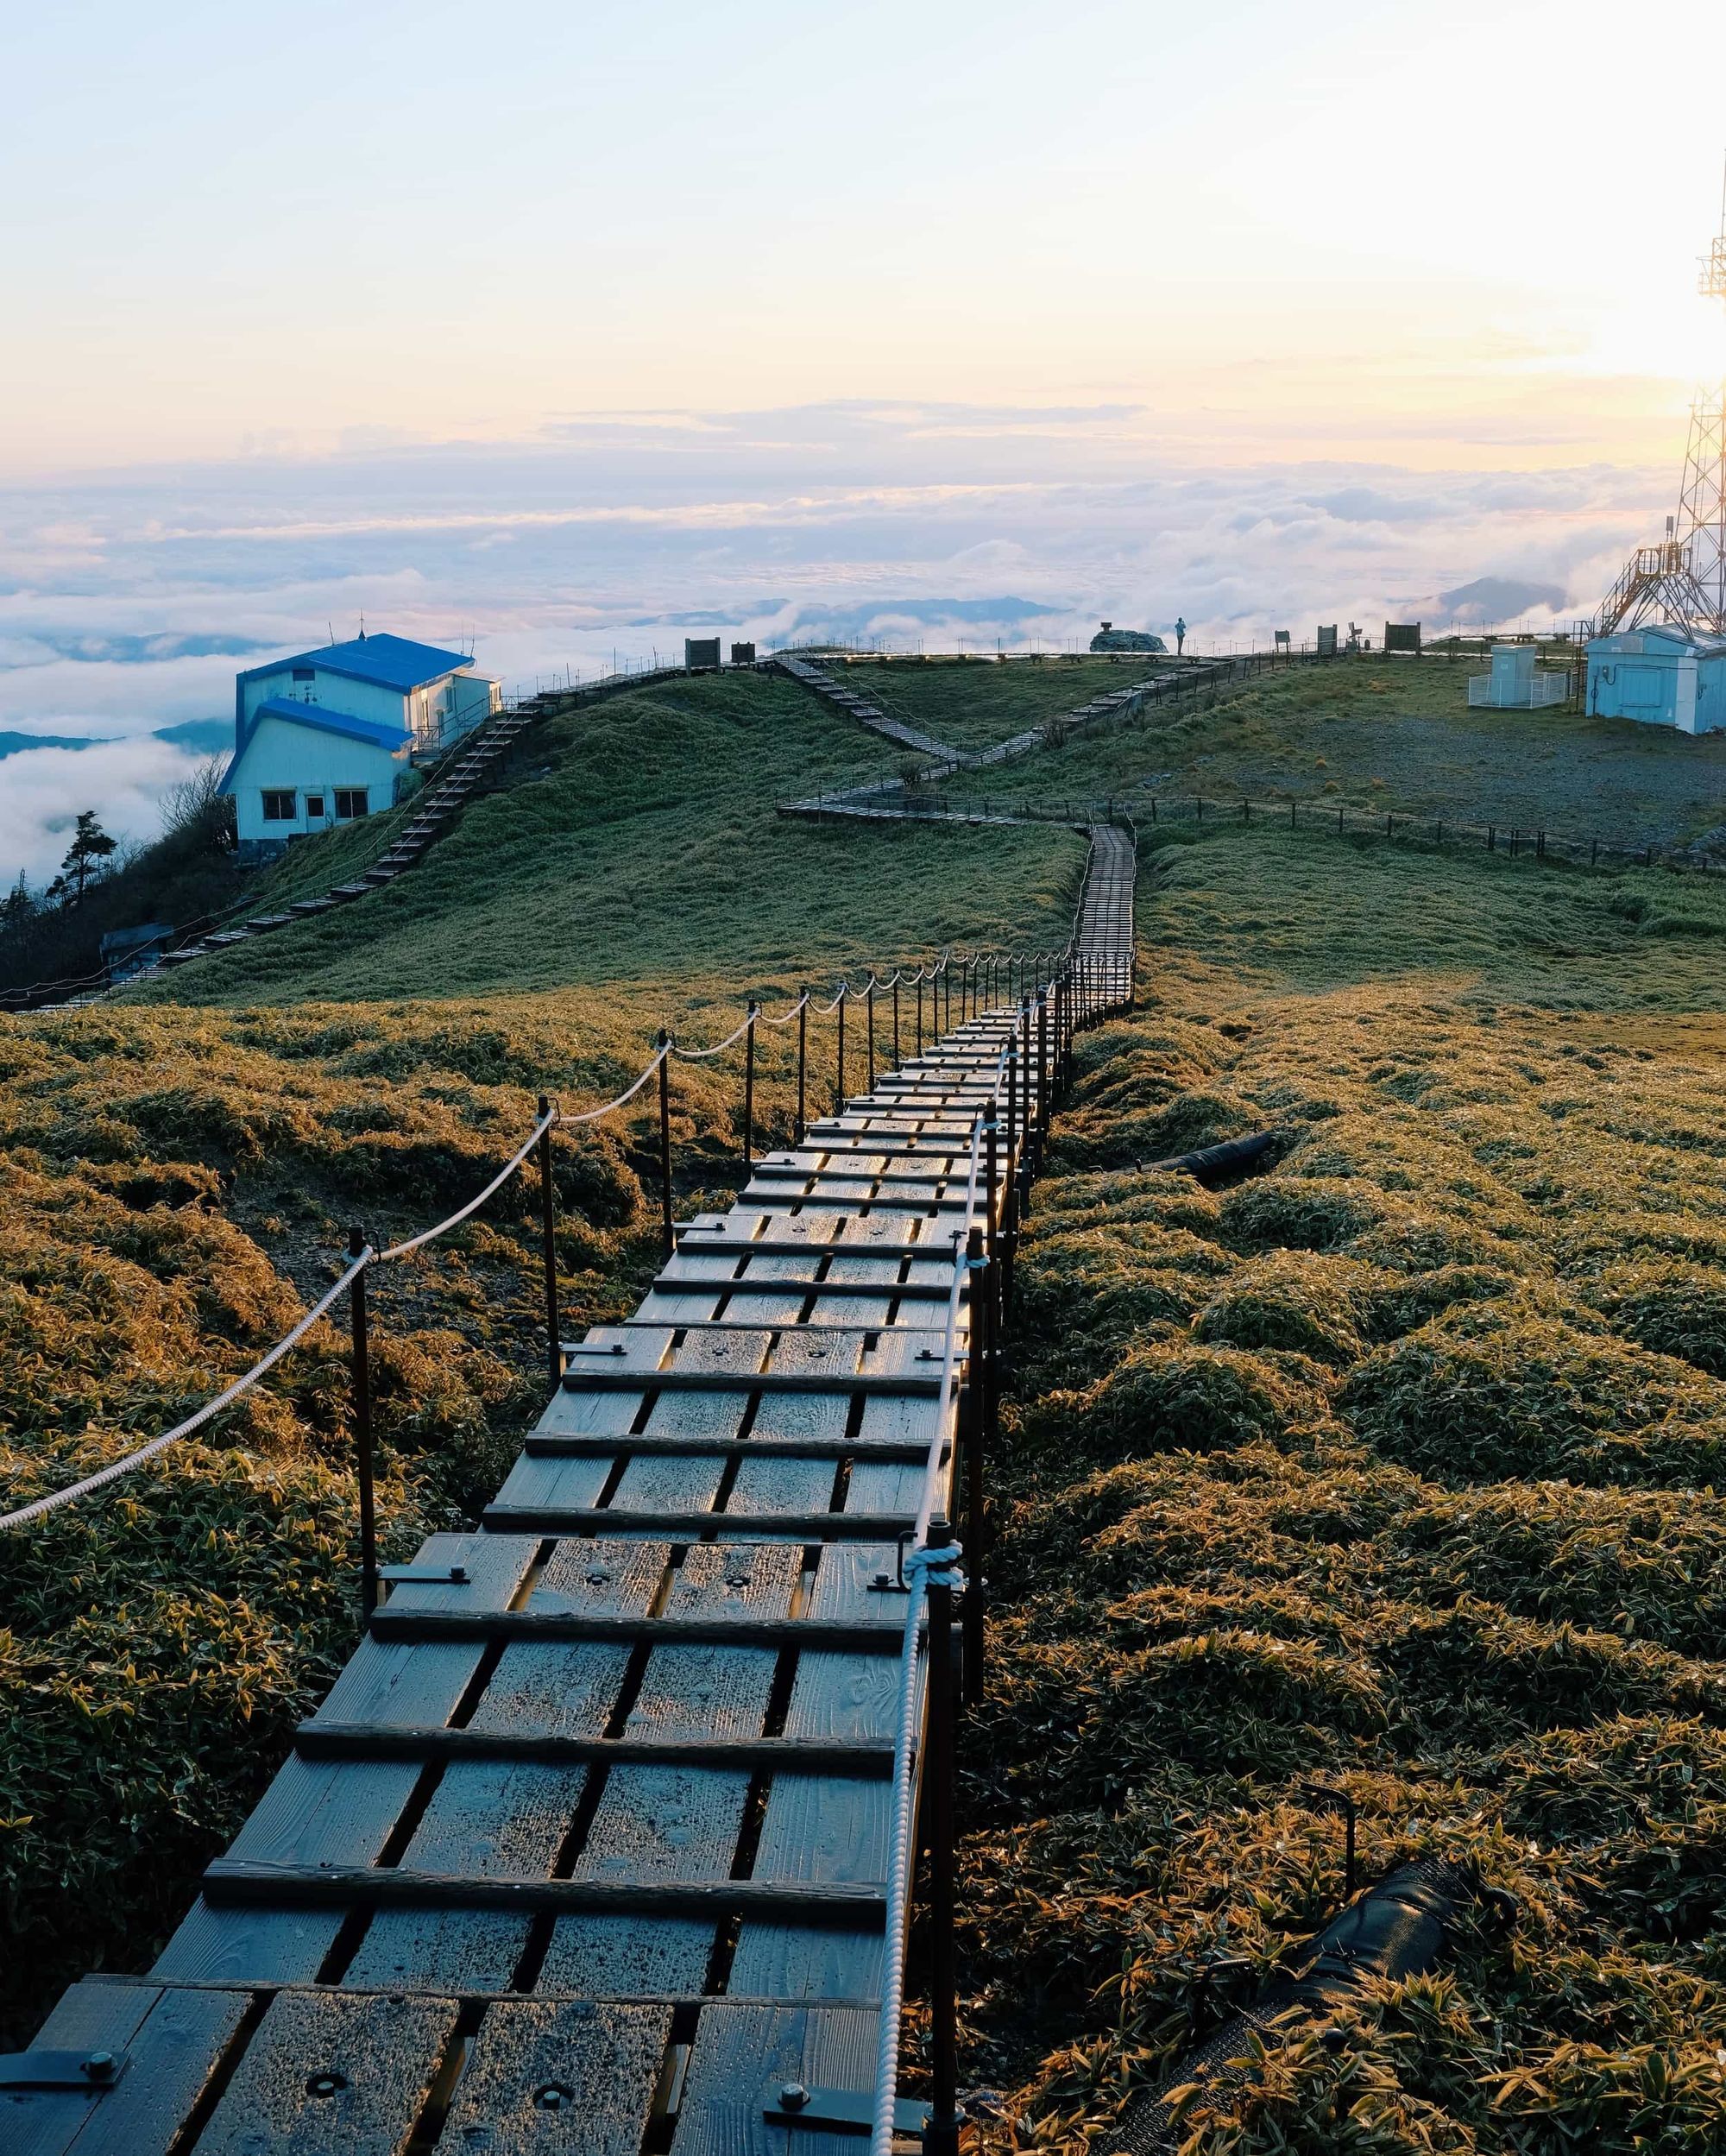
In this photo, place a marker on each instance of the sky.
(566, 329)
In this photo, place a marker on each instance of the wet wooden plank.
(558, 2080)
(327, 2075)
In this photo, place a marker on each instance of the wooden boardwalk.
(587, 1847)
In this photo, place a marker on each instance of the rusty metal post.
(361, 1374)
(667, 1235)
(940, 2135)
(548, 1240)
(749, 1091)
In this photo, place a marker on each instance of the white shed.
(1664, 675)
(330, 734)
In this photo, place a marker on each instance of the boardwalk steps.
(586, 1848)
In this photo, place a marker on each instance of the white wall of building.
(283, 758)
(437, 712)
(1658, 677)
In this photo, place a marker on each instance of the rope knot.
(939, 1564)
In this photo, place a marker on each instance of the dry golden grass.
(1399, 1467)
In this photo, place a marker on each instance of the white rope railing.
(116, 1468)
(920, 1563)
(552, 1117)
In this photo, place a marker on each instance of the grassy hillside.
(1371, 733)
(180, 1170)
(1396, 1469)
(972, 704)
(638, 840)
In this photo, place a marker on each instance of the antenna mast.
(1684, 581)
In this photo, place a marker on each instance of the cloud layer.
(126, 604)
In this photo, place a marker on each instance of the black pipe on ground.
(1399, 1928)
(1211, 1164)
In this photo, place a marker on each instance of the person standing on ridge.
(1180, 636)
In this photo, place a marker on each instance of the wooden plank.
(568, 2080)
(510, 1816)
(327, 2074)
(707, 1390)
(672, 1823)
(554, 1623)
(339, 1740)
(812, 1828)
(174, 2041)
(304, 1815)
(740, 2050)
(731, 1526)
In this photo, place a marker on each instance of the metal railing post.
(976, 1426)
(802, 1063)
(749, 1090)
(940, 2135)
(991, 1136)
(361, 1375)
(548, 1240)
(870, 999)
(921, 970)
(1042, 1063)
(667, 1235)
(898, 1058)
(839, 1079)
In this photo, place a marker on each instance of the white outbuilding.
(332, 734)
(1663, 674)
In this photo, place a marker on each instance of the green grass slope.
(1398, 1470)
(973, 703)
(1373, 735)
(638, 839)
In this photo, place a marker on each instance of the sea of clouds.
(127, 601)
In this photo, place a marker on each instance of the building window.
(314, 804)
(351, 801)
(278, 808)
(306, 673)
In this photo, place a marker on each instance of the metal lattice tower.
(1684, 580)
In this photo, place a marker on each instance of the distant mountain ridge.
(207, 736)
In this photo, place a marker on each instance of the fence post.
(921, 970)
(1291, 812)
(977, 1424)
(940, 2135)
(749, 1090)
(361, 1373)
(898, 1058)
(1492, 838)
(991, 1132)
(869, 998)
(1042, 1064)
(803, 1062)
(839, 1078)
(665, 1230)
(548, 1238)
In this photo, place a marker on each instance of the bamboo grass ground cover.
(1397, 1469)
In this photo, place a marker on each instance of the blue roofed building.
(332, 734)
